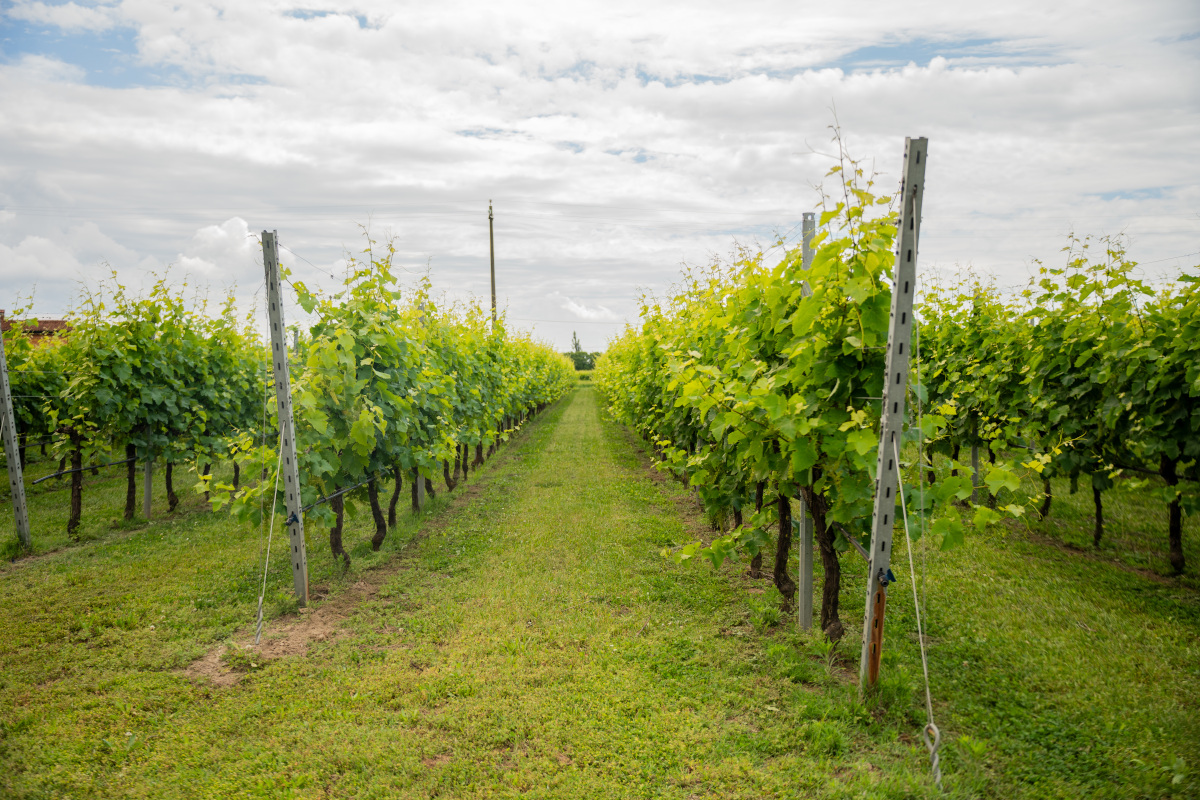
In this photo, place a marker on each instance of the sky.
(616, 140)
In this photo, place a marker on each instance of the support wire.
(270, 532)
(931, 734)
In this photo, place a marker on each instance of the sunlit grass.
(532, 641)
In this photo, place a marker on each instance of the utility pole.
(287, 428)
(12, 451)
(804, 604)
(492, 249)
(887, 469)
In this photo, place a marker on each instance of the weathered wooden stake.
(912, 192)
(289, 467)
(12, 452)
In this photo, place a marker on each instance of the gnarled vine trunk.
(398, 476)
(130, 481)
(783, 547)
(831, 623)
(756, 561)
(169, 478)
(381, 527)
(76, 489)
(1167, 468)
(1047, 499)
(335, 533)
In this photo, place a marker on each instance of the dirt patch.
(436, 761)
(292, 634)
(323, 619)
(212, 669)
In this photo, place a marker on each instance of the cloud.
(68, 16)
(39, 69)
(41, 259)
(221, 252)
(582, 311)
(616, 140)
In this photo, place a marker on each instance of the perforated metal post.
(912, 191)
(288, 466)
(804, 599)
(12, 452)
(492, 253)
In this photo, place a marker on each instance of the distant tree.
(581, 358)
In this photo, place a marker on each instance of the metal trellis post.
(288, 465)
(492, 251)
(912, 191)
(804, 604)
(12, 452)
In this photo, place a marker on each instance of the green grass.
(530, 640)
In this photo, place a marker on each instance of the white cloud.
(580, 310)
(39, 69)
(68, 16)
(38, 261)
(220, 251)
(617, 139)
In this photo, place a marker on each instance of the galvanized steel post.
(912, 191)
(12, 452)
(288, 465)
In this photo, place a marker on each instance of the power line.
(571, 321)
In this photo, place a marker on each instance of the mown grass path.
(530, 642)
(526, 638)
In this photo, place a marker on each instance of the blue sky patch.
(1150, 193)
(108, 58)
(921, 51)
(678, 80)
(304, 13)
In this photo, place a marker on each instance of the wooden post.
(147, 477)
(12, 453)
(287, 430)
(912, 191)
(804, 531)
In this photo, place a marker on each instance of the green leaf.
(804, 456)
(950, 531)
(985, 516)
(862, 440)
(1001, 477)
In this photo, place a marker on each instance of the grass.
(529, 640)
